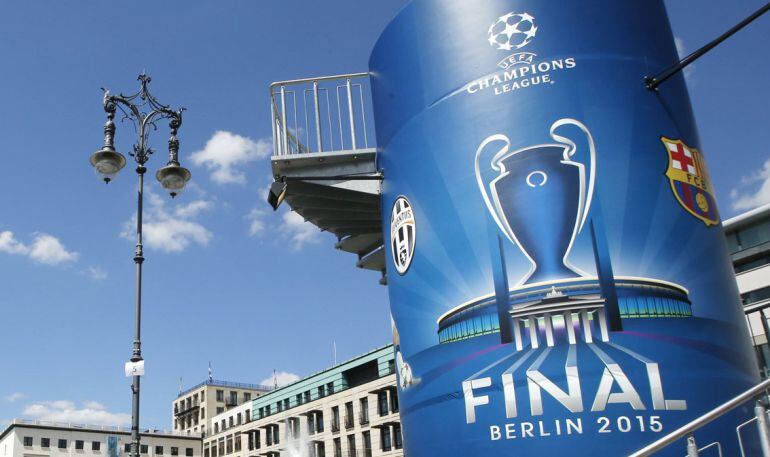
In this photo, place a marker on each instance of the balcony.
(185, 409)
(325, 162)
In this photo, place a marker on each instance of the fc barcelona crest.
(690, 181)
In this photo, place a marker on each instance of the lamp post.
(143, 110)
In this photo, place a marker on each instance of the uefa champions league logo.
(540, 198)
(522, 70)
(512, 31)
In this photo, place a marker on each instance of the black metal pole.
(652, 82)
(136, 355)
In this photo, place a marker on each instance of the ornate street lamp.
(143, 110)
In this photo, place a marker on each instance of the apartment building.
(350, 410)
(27, 438)
(748, 239)
(194, 407)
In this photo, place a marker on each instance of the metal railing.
(101, 428)
(761, 417)
(235, 385)
(327, 113)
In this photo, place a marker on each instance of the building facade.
(348, 410)
(23, 438)
(194, 407)
(748, 239)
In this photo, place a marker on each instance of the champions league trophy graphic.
(540, 199)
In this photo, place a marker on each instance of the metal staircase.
(323, 164)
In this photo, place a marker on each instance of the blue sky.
(227, 281)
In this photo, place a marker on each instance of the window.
(349, 414)
(220, 395)
(337, 448)
(286, 404)
(319, 422)
(158, 450)
(206, 451)
(385, 439)
(311, 423)
(239, 419)
(203, 413)
(79, 445)
(229, 447)
(96, 445)
(393, 401)
(45, 442)
(330, 387)
(321, 391)
(352, 446)
(203, 396)
(237, 442)
(307, 396)
(756, 295)
(230, 421)
(246, 397)
(127, 447)
(247, 417)
(216, 428)
(397, 434)
(233, 398)
(221, 446)
(27, 441)
(62, 444)
(174, 450)
(220, 410)
(335, 419)
(364, 411)
(213, 450)
(382, 403)
(367, 444)
(144, 449)
(188, 452)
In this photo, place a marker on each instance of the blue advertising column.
(557, 272)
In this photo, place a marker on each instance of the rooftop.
(234, 385)
(749, 217)
(111, 429)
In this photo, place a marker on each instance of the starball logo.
(522, 69)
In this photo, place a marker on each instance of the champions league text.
(614, 388)
(524, 76)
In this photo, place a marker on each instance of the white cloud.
(15, 396)
(96, 273)
(256, 221)
(45, 249)
(226, 153)
(10, 245)
(49, 250)
(681, 49)
(91, 412)
(170, 230)
(193, 208)
(281, 378)
(299, 231)
(752, 190)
